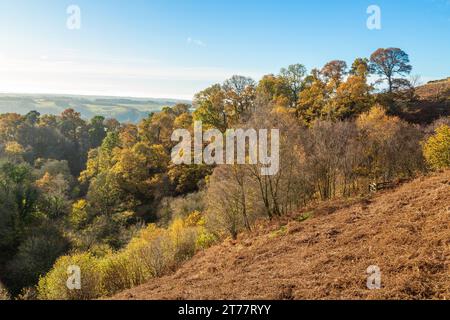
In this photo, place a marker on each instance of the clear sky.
(174, 48)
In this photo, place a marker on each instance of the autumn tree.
(54, 200)
(313, 101)
(333, 155)
(97, 131)
(353, 96)
(181, 108)
(391, 146)
(112, 125)
(230, 203)
(10, 124)
(158, 128)
(128, 135)
(101, 159)
(186, 179)
(334, 71)
(71, 124)
(293, 78)
(272, 91)
(141, 170)
(221, 106)
(286, 189)
(210, 108)
(239, 96)
(390, 64)
(360, 67)
(183, 121)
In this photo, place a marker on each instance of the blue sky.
(164, 48)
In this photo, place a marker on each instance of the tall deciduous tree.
(239, 95)
(390, 63)
(360, 67)
(334, 71)
(210, 108)
(97, 131)
(294, 78)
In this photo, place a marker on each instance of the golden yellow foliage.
(14, 148)
(45, 182)
(79, 213)
(54, 285)
(154, 252)
(437, 148)
(377, 124)
(195, 219)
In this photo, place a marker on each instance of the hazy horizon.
(81, 95)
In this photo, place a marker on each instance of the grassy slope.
(406, 232)
(433, 102)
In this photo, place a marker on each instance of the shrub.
(205, 239)
(35, 257)
(121, 271)
(148, 255)
(183, 239)
(180, 207)
(28, 294)
(158, 256)
(194, 219)
(437, 148)
(151, 254)
(4, 295)
(54, 285)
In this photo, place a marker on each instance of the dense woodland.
(105, 196)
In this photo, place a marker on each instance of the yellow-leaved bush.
(153, 253)
(437, 148)
(54, 285)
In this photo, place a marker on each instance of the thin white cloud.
(196, 42)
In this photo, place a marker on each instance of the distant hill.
(433, 102)
(123, 109)
(435, 90)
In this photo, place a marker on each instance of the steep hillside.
(435, 90)
(406, 232)
(433, 102)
